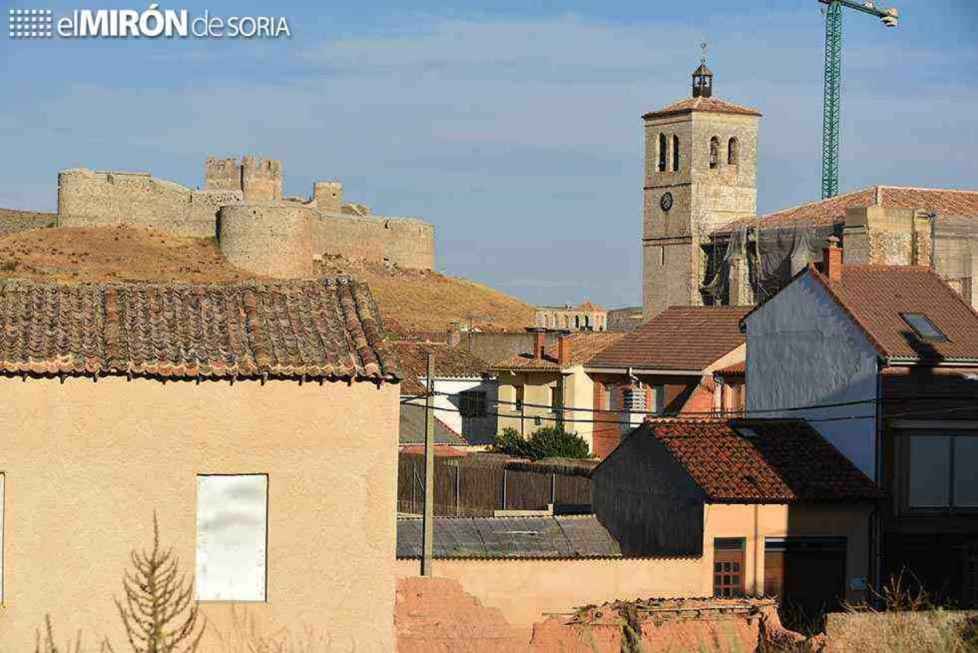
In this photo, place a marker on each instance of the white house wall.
(803, 350)
(475, 429)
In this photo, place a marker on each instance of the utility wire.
(731, 413)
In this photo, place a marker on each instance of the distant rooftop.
(833, 210)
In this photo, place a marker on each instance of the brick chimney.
(832, 259)
(539, 343)
(563, 350)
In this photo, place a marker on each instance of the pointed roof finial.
(702, 77)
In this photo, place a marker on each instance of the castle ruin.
(242, 206)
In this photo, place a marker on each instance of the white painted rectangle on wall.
(232, 535)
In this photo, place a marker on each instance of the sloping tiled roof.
(510, 537)
(708, 104)
(328, 328)
(412, 427)
(833, 210)
(584, 347)
(760, 461)
(875, 296)
(737, 369)
(450, 363)
(679, 338)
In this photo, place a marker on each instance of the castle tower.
(700, 173)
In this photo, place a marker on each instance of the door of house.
(808, 574)
(728, 566)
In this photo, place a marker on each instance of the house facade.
(767, 506)
(257, 421)
(883, 360)
(549, 386)
(465, 394)
(665, 367)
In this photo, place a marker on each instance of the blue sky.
(516, 130)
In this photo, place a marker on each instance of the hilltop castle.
(242, 206)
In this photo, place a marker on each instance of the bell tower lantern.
(702, 81)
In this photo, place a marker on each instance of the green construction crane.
(833, 83)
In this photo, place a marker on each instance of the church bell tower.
(700, 173)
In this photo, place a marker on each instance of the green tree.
(548, 442)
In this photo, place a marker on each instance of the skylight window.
(923, 327)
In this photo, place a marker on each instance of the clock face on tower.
(666, 201)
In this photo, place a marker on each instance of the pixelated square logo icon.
(30, 23)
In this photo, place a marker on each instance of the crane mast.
(833, 83)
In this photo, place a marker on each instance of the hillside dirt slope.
(409, 300)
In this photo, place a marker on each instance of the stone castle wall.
(242, 206)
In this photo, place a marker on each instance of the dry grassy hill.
(409, 300)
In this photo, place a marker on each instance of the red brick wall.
(606, 435)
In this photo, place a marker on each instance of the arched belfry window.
(732, 151)
(714, 152)
(662, 152)
(675, 153)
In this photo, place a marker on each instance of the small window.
(675, 153)
(732, 152)
(232, 537)
(659, 393)
(605, 397)
(556, 399)
(520, 392)
(714, 152)
(923, 327)
(663, 154)
(472, 403)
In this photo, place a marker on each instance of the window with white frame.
(942, 471)
(232, 537)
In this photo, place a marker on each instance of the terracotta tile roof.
(708, 104)
(737, 369)
(875, 296)
(584, 347)
(450, 363)
(441, 451)
(679, 338)
(328, 328)
(760, 460)
(833, 210)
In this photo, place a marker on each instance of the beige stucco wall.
(87, 463)
(755, 522)
(538, 386)
(526, 589)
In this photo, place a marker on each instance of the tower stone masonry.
(700, 173)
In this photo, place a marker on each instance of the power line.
(737, 413)
(563, 420)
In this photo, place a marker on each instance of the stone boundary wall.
(407, 242)
(88, 198)
(525, 589)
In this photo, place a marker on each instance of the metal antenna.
(703, 55)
